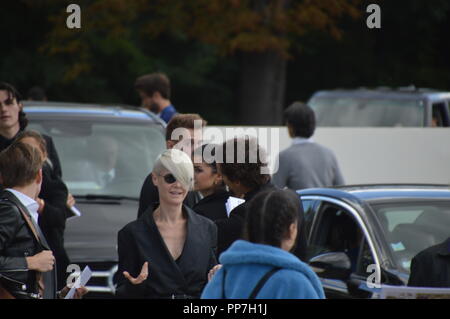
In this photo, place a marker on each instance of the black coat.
(150, 196)
(140, 241)
(213, 206)
(53, 218)
(431, 267)
(230, 229)
(17, 242)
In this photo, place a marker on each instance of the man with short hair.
(305, 164)
(182, 133)
(26, 262)
(154, 91)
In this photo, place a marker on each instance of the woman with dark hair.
(209, 183)
(261, 266)
(246, 175)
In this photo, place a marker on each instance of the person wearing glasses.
(168, 252)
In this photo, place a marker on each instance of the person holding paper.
(26, 261)
(168, 252)
(209, 183)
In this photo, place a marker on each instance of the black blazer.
(17, 242)
(53, 218)
(231, 229)
(213, 206)
(431, 267)
(149, 196)
(140, 241)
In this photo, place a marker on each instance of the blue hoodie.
(246, 263)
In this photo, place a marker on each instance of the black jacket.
(431, 267)
(213, 206)
(53, 218)
(140, 241)
(150, 195)
(230, 229)
(16, 243)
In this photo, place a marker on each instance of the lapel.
(161, 249)
(32, 226)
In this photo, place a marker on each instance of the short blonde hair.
(179, 164)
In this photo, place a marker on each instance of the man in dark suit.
(26, 262)
(431, 267)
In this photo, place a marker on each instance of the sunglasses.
(169, 178)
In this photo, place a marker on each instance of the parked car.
(106, 152)
(382, 107)
(351, 228)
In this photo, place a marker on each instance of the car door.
(336, 229)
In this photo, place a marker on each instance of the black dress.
(213, 206)
(141, 241)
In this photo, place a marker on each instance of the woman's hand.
(213, 270)
(139, 279)
(41, 203)
(79, 292)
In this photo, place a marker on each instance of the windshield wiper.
(102, 196)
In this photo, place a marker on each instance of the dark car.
(354, 231)
(382, 107)
(106, 152)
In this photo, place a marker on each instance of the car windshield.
(104, 158)
(412, 227)
(351, 112)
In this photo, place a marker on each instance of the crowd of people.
(184, 243)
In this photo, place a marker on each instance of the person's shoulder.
(131, 228)
(199, 219)
(296, 281)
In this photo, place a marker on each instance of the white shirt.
(28, 202)
(301, 140)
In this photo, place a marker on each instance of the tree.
(259, 32)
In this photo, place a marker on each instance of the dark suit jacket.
(150, 195)
(431, 267)
(230, 229)
(17, 242)
(140, 241)
(53, 218)
(213, 206)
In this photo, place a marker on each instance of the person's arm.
(128, 263)
(280, 177)
(338, 178)
(419, 273)
(13, 267)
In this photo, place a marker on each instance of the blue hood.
(248, 262)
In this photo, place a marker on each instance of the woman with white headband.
(169, 250)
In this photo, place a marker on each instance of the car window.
(438, 115)
(413, 227)
(361, 112)
(336, 231)
(309, 213)
(104, 158)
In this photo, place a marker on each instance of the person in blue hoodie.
(262, 267)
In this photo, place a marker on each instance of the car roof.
(381, 192)
(400, 93)
(80, 110)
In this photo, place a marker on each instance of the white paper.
(80, 282)
(75, 211)
(232, 203)
(403, 292)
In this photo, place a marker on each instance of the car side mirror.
(334, 265)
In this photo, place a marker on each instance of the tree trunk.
(262, 88)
